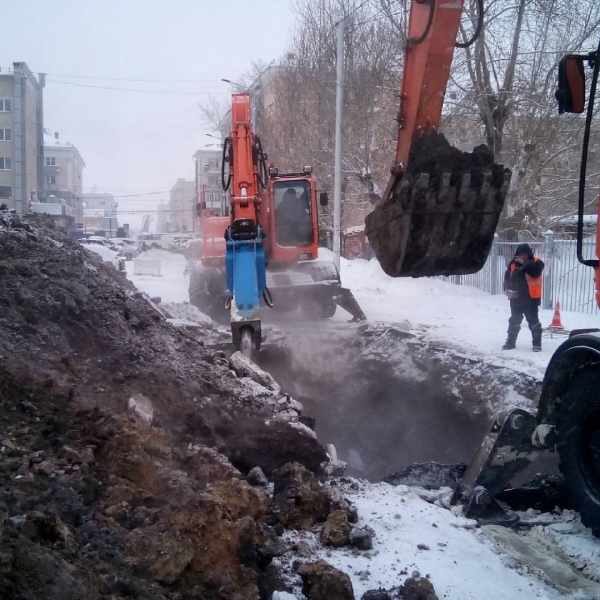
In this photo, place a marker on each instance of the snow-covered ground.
(105, 253)
(462, 562)
(171, 285)
(556, 558)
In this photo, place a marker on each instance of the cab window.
(293, 214)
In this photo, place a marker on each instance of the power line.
(119, 89)
(134, 80)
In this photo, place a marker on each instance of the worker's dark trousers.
(529, 310)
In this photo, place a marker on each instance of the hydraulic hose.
(478, 28)
(226, 158)
(260, 161)
(423, 36)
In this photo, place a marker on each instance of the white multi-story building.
(63, 169)
(96, 208)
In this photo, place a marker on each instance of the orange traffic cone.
(556, 322)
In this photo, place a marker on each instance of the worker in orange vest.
(523, 287)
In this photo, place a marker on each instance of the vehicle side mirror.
(571, 85)
(323, 199)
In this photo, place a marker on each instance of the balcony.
(54, 209)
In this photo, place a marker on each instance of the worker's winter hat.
(524, 249)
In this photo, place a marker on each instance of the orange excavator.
(265, 253)
(438, 216)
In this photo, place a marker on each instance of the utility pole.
(339, 109)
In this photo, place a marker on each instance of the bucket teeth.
(438, 223)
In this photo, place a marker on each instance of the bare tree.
(506, 82)
(298, 123)
(213, 111)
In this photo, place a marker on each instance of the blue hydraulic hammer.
(245, 265)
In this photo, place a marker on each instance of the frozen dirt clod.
(299, 500)
(321, 581)
(418, 588)
(336, 530)
(97, 504)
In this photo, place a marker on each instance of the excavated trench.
(385, 398)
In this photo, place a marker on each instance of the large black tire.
(578, 431)
(198, 291)
(318, 308)
(208, 292)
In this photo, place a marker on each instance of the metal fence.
(565, 278)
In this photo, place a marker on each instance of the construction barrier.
(143, 266)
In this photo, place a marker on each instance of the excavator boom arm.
(440, 209)
(245, 263)
(432, 31)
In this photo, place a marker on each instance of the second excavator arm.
(245, 254)
(441, 206)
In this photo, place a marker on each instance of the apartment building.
(21, 137)
(63, 172)
(207, 169)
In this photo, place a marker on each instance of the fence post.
(494, 266)
(548, 259)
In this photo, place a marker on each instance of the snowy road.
(556, 558)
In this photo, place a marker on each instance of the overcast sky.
(137, 142)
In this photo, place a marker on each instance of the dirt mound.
(432, 153)
(96, 502)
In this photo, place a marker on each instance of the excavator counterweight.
(440, 209)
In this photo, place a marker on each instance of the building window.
(5, 191)
(5, 135)
(5, 163)
(51, 180)
(50, 161)
(5, 105)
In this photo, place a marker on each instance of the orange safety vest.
(533, 283)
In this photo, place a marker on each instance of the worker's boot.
(511, 338)
(536, 337)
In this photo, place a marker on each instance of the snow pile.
(454, 316)
(105, 253)
(172, 286)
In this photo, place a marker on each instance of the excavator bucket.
(441, 213)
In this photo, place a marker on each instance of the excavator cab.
(439, 212)
(293, 213)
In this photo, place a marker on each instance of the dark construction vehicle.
(438, 217)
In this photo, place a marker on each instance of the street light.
(240, 85)
(210, 135)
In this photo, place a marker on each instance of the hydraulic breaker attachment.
(504, 453)
(441, 213)
(245, 267)
(246, 334)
